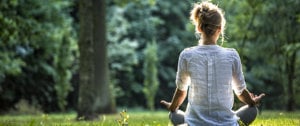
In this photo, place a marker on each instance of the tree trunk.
(94, 92)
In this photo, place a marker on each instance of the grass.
(277, 118)
(136, 118)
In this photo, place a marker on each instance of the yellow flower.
(124, 118)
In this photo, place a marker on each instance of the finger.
(164, 103)
(251, 95)
(258, 98)
(261, 95)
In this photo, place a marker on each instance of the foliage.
(24, 108)
(264, 48)
(37, 52)
(269, 46)
(151, 82)
(128, 31)
(133, 24)
(121, 50)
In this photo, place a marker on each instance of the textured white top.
(211, 73)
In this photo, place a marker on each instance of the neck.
(209, 40)
(208, 43)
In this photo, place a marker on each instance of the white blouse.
(210, 73)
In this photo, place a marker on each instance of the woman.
(210, 72)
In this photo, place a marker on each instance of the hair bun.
(208, 17)
(204, 9)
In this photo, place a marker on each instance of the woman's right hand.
(166, 104)
(256, 98)
(249, 98)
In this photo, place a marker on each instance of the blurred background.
(39, 51)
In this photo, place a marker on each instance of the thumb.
(165, 103)
(261, 95)
(258, 98)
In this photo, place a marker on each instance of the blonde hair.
(208, 17)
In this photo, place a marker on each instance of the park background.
(41, 42)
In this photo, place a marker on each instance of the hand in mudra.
(166, 104)
(257, 98)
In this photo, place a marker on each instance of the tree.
(122, 55)
(133, 24)
(266, 35)
(94, 96)
(37, 48)
(151, 83)
(283, 54)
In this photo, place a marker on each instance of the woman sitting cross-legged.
(209, 74)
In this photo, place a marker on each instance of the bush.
(38, 52)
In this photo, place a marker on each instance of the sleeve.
(239, 83)
(182, 75)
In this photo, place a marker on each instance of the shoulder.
(187, 52)
(190, 48)
(231, 51)
(234, 54)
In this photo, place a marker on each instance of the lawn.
(136, 118)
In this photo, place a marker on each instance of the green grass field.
(136, 118)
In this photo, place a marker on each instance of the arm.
(248, 98)
(182, 82)
(178, 98)
(239, 84)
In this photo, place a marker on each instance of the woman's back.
(210, 68)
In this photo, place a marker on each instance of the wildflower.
(124, 118)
